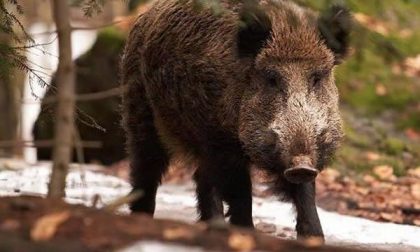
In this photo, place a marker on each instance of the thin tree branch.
(79, 28)
(47, 144)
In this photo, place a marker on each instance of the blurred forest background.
(379, 84)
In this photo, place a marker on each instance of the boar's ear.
(254, 30)
(335, 25)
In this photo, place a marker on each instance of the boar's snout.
(301, 170)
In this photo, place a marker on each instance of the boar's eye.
(273, 79)
(317, 77)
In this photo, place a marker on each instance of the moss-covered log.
(96, 71)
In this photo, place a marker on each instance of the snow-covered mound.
(86, 184)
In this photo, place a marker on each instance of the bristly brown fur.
(230, 95)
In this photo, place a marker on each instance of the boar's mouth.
(301, 170)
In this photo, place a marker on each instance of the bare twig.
(85, 97)
(113, 206)
(79, 147)
(33, 45)
(92, 96)
(46, 144)
(80, 28)
(411, 210)
(75, 28)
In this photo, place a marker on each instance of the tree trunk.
(64, 127)
(10, 94)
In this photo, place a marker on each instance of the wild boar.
(252, 85)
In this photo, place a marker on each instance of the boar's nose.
(301, 170)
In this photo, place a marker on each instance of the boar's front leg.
(210, 205)
(224, 175)
(237, 192)
(230, 173)
(307, 220)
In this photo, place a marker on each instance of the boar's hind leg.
(148, 158)
(307, 220)
(210, 205)
(148, 163)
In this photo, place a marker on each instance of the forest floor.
(382, 199)
(29, 223)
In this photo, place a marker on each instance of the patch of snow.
(353, 229)
(340, 228)
(82, 185)
(154, 246)
(178, 202)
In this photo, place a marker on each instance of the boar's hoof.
(300, 174)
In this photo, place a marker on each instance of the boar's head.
(289, 121)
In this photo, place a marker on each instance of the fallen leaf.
(415, 191)
(414, 172)
(386, 216)
(266, 227)
(396, 69)
(366, 205)
(241, 242)
(177, 233)
(405, 33)
(313, 242)
(372, 23)
(412, 134)
(335, 186)
(380, 89)
(9, 225)
(46, 226)
(384, 172)
(369, 179)
(372, 156)
(342, 207)
(396, 202)
(330, 175)
(412, 66)
(362, 190)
